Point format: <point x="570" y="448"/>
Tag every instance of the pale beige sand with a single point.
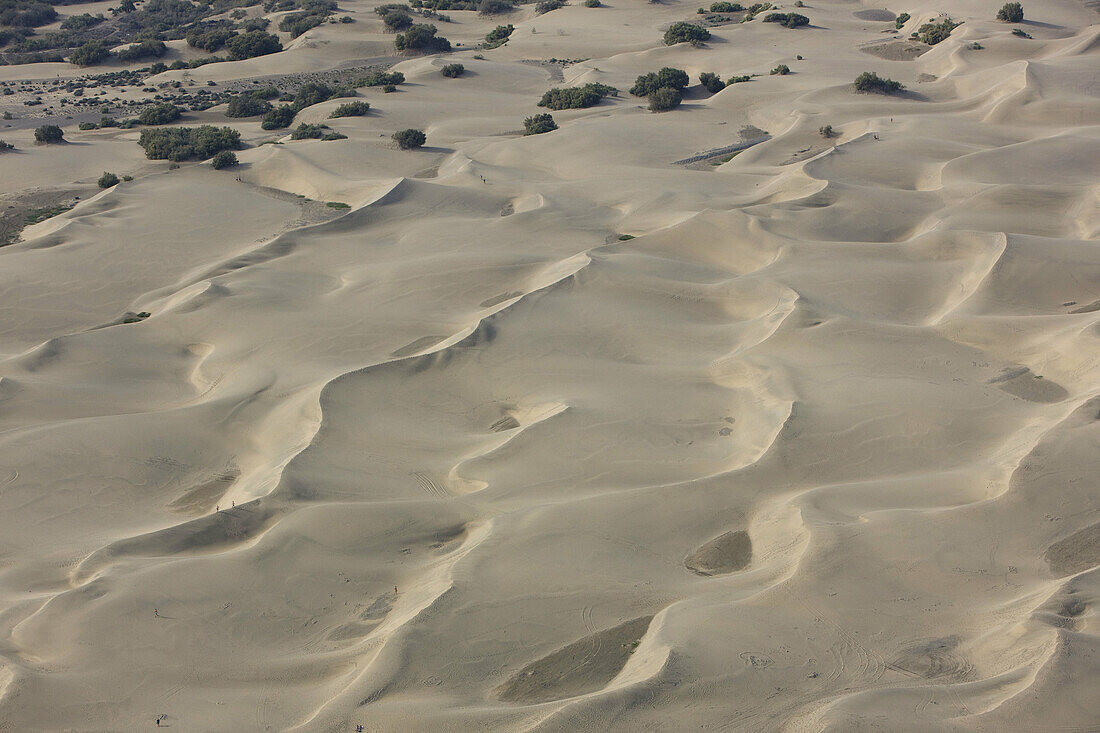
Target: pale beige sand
<point x="817" y="450"/>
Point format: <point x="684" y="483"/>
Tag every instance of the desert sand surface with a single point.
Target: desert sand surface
<point x="554" y="433"/>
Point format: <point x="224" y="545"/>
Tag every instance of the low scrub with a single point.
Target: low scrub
<point x="159" y="114"/>
<point x="711" y="82"/>
<point x="107" y="180"/>
<point x="787" y="20"/>
<point x="665" y="99"/>
<point x="933" y="33"/>
<point x="453" y="71"/>
<point x="498" y="35"/>
<point x="351" y="109"/>
<point x="186" y="143"/>
<point x="576" y="97"/>
<point x="410" y="139"/>
<point x="224" y="159"/>
<point x="539" y="124"/>
<point x="683" y="32"/>
<point x="247" y="105"/>
<point x="422" y="38"/>
<point x="870" y="82"/>
<point x="646" y="84"/>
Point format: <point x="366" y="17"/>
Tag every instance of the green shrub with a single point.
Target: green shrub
<point x="306" y="131"/>
<point x="545" y="6"/>
<point x="493" y="7"/>
<point x="724" y="7"/>
<point x="27" y="15"/>
<point x="410" y="139"/>
<point x="686" y="33"/>
<point x="827" y="131"/>
<point x="781" y="70"/>
<point x="252" y="44"/>
<point x="81" y="22"/>
<point x="871" y="82"/>
<point x="498" y="35"/>
<point x="151" y="49"/>
<point x="738" y="79"/>
<point x="646" y="84"/>
<point x="397" y="20"/>
<point x="298" y="23"/>
<point x="185" y="143"/>
<point x="933" y="33"/>
<point x="665" y="99"/>
<point x="382" y="78"/>
<point x="337" y="205"/>
<point x="787" y="20"/>
<point x="422" y="37"/>
<point x="49" y="134"/>
<point x="279" y="117"/>
<point x="247" y="105"/>
<point x="539" y="124"/>
<point x="159" y="114"/>
<point x="453" y="71"/>
<point x="901" y="20"/>
<point x="388" y="88"/>
<point x="6" y="146"/>
<point x="224" y="159"/>
<point x="1021" y="33"/>
<point x="711" y="82"/>
<point x="576" y="97"/>
<point x="90" y="54"/>
<point x="107" y="180"/>
<point x="593" y="4"/>
<point x="87" y="126"/>
<point x="351" y="109"/>
<point x="209" y="39"/>
<point x="1009" y="13"/>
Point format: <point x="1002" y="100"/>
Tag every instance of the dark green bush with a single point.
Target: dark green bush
<point x="90" y="54"/>
<point x="665" y="99"/>
<point x="828" y="132"/>
<point x="185" y="143"/>
<point x="159" y="114"/>
<point x="252" y="44"/>
<point x="224" y="159"/>
<point x="312" y="93"/>
<point x="382" y="78"/>
<point x="1011" y="13"/>
<point x="298" y="23"/>
<point x="410" y="139"/>
<point x="724" y="7"/>
<point x="209" y="39"/>
<point x="87" y="126"/>
<point x="26" y="14"/>
<point x="279" y="117"/>
<point x="453" y="71"/>
<point x="49" y="134"/>
<point x="787" y="20"/>
<point x="493" y="7"/>
<point x="711" y="82"/>
<point x="6" y="146"/>
<point x="247" y="105"/>
<point x="81" y="22"/>
<point x="901" y="20"/>
<point x="150" y="49"/>
<point x="576" y="97"/>
<point x="781" y="70"/>
<point x="305" y="131"/>
<point x="545" y="6"/>
<point x="539" y="124"/>
<point x="1021" y="33"/>
<point x="498" y="35"/>
<point x="738" y="79"/>
<point x="351" y="109"/>
<point x="397" y="20"/>
<point x="646" y="84"/>
<point x="933" y="33"/>
<point x="686" y="33"/>
<point x="422" y="37"/>
<point x="107" y="180"/>
<point x="871" y="82"/>
<point x="593" y="4"/>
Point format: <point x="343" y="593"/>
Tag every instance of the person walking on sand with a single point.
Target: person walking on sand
<point x="156" y="613"/>
<point x="395" y="590"/>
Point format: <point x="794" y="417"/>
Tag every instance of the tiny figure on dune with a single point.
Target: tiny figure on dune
<point x="395" y="590"/>
<point x="358" y="729"/>
<point x="156" y="613"/>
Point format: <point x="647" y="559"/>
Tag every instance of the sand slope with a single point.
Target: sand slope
<point x="814" y="451"/>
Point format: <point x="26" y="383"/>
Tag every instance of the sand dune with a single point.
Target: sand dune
<point x="812" y="449"/>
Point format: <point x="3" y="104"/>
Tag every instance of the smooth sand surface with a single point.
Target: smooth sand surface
<point x="816" y="450"/>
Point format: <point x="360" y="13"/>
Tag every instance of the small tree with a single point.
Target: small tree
<point x="539" y="124"/>
<point x="711" y="82"/>
<point x="870" y="82"/>
<point x="1011" y="13"/>
<point x="683" y="32"/>
<point x="422" y="37"/>
<point x="107" y="180"/>
<point x="48" y="134"/>
<point x="453" y="71"/>
<point x="665" y="99"/>
<point x="646" y="84"/>
<point x="224" y="159"/>
<point x="410" y="139"/>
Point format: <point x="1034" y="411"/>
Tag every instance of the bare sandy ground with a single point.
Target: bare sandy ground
<point x="816" y="450"/>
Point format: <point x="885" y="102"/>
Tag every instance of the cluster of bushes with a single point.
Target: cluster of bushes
<point x="755" y="10"/>
<point x="498" y="36"/>
<point x="933" y="33"/>
<point x="422" y="37"/>
<point x="6" y="146"/>
<point x="667" y="77"/>
<point x="307" y="96"/>
<point x="539" y="124"/>
<point x="381" y="79"/>
<point x="81" y="22"/>
<point x="901" y="20"/>
<point x="351" y="109"/>
<point x="711" y="82"/>
<point x="870" y="82"/>
<point x="545" y="6"/>
<point x="224" y="159"/>
<point x="410" y="139"/>
<point x="1011" y="13"/>
<point x="185" y="143"/>
<point x="107" y="180"/>
<point x="159" y="114"/>
<point x="781" y="70"/>
<point x="494" y="7"/>
<point x="147" y="49"/>
<point x="252" y="44"/>
<point x="593" y="4"/>
<point x="683" y="32"/>
<point x="90" y="54"/>
<point x="395" y="17"/>
<point x="209" y="39"/>
<point x="665" y="99"/>
<point x="312" y="14"/>
<point x="787" y="20"/>
<point x="26" y="13"/>
<point x="306" y="131"/>
<point x="724" y="7"/>
<point x="247" y="105"/>
<point x="576" y="97"/>
<point x="436" y="5"/>
<point x="453" y="71"/>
